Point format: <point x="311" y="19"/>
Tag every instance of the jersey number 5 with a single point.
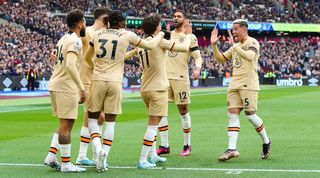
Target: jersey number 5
<point x="102" y="47"/>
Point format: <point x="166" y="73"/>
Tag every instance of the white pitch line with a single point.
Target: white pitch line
<point x="18" y="108"/>
<point x="184" y="169"/>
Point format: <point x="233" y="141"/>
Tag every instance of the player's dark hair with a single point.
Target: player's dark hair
<point x="242" y="23"/>
<point x="185" y="15"/>
<point x="115" y="17"/>
<point x="74" y="17"/>
<point x="98" y="12"/>
<point x="150" y="23"/>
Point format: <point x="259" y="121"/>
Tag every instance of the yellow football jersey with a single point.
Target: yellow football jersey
<point x="110" y="46"/>
<point x="61" y="80"/>
<point x="244" y="75"/>
<point x="154" y="67"/>
<point x="177" y="62"/>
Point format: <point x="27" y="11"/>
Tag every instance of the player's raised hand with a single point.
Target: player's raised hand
<point x="230" y="38"/>
<point x="53" y="56"/>
<point x="214" y="37"/>
<point x="83" y="96"/>
<point x="168" y="27"/>
<point x="196" y="73"/>
<point x="187" y="27"/>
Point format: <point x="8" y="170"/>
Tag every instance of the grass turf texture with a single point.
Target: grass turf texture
<point x="290" y="116"/>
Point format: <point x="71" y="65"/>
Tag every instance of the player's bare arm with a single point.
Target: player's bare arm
<point x="53" y="56"/>
<point x="216" y="53"/>
<point x="131" y="53"/>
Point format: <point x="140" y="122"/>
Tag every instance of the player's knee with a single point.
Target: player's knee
<point x="66" y="124"/>
<point x="154" y="120"/>
<point x="93" y="115"/>
<point x="183" y="109"/>
<point x="110" y="117"/>
<point x="248" y="113"/>
<point x="234" y="111"/>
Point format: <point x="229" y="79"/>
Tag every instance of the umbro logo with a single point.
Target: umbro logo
<point x="313" y="82"/>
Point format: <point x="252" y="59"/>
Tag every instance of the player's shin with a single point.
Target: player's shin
<point x="108" y="136"/>
<point x="94" y="134"/>
<point x="65" y="150"/>
<point x="153" y="151"/>
<point x="54" y="146"/>
<point x="186" y="125"/>
<point x="148" y="140"/>
<point x="164" y="132"/>
<point x="84" y="143"/>
<point x="259" y="126"/>
<point x="233" y="130"/>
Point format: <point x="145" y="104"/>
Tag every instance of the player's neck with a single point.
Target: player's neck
<point x="179" y="29"/>
<point x="96" y="26"/>
<point x="244" y="39"/>
<point x="77" y="32"/>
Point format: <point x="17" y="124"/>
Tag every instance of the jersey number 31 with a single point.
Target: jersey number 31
<point x="102" y="47"/>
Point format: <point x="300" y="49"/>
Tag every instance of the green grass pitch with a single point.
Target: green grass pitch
<point x="291" y="117"/>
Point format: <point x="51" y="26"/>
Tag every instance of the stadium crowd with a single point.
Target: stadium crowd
<point x="31" y="45"/>
<point x="22" y="48"/>
<point x="286" y="57"/>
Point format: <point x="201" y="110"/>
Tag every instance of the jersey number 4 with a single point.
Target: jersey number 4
<point x="59" y="54"/>
<point x="102" y="47"/>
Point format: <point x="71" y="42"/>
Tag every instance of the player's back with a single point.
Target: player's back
<point x="154" y="68"/>
<point x="110" y="47"/>
<point x="61" y="80"/>
<point x="177" y="62"/>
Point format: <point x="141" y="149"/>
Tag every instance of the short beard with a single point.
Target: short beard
<point x="178" y="25"/>
<point x="83" y="32"/>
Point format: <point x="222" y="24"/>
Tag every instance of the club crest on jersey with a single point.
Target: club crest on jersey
<point x="172" y="53"/>
<point x="181" y="39"/>
<point x="238" y="62"/>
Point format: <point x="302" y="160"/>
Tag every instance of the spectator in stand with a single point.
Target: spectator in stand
<point x="31" y="76"/>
